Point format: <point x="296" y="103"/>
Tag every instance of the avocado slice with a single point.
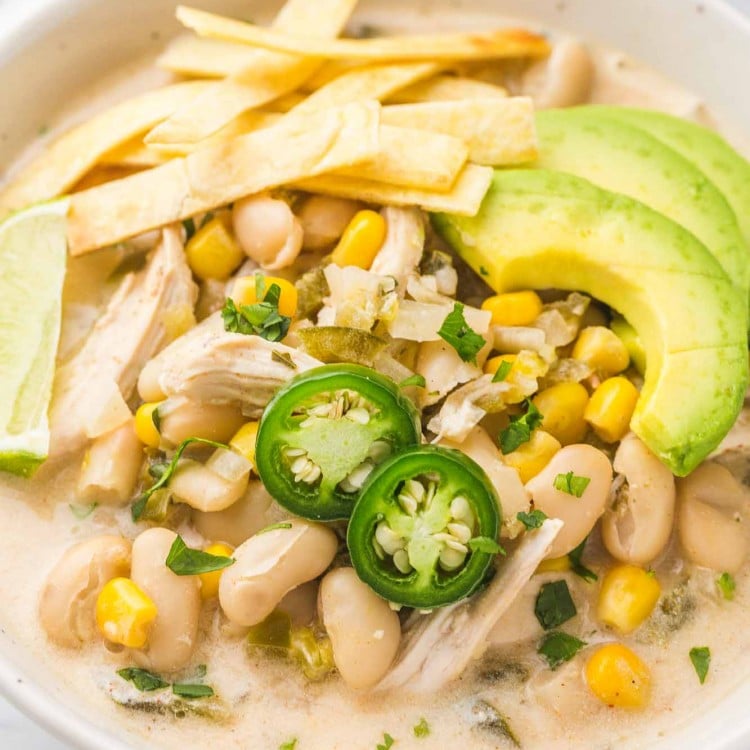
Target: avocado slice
<point x="620" y="157"/>
<point x="724" y="166"/>
<point x="539" y="229"/>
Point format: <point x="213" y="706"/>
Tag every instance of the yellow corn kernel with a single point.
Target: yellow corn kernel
<point x="531" y="457"/>
<point x="554" y="565"/>
<point x="124" y="613"/>
<point x="145" y="427"/>
<point x="513" y="308"/>
<point x="563" y="406"/>
<point x="210" y="581"/>
<point x="244" y="293"/>
<point x="618" y="677"/>
<point x="611" y="407"/>
<point x="244" y="439"/>
<point x="602" y="350"/>
<point x="491" y="365"/>
<point x="361" y="240"/>
<point x="212" y="252"/>
<point x="627" y="597"/>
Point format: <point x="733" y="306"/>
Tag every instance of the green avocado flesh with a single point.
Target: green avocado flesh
<point x="620" y="157"/>
<point x="539" y="229"/>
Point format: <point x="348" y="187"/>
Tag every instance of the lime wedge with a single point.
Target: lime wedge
<point x="33" y="250"/>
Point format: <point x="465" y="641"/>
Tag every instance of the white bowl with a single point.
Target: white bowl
<point x="52" y="49"/>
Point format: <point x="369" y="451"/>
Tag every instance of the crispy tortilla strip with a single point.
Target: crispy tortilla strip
<point x="371" y="82"/>
<point x="269" y="76"/>
<point x="61" y="165"/>
<point x="205" y="58"/>
<point x="497" y="131"/>
<point x="294" y="149"/>
<point x="447" y="88"/>
<point x="467" y="46"/>
<point x="464" y="198"/>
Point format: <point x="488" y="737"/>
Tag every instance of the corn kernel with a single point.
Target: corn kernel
<point x="627" y="597"/>
<point x="602" y="350"/>
<point x="244" y="293"/>
<point x="513" y="308"/>
<point x="361" y="240"/>
<point x="145" y="426"/>
<point x="531" y="457"/>
<point x="210" y="581"/>
<point x="124" y="613"/>
<point x="212" y="252"/>
<point x="492" y="365"/>
<point x="244" y="439"/>
<point x="611" y="407"/>
<point x="563" y="406"/>
<point x="554" y="565"/>
<point x="618" y="677"/>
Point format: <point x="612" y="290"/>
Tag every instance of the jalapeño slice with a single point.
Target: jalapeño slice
<point x="423" y="531"/>
<point x="325" y="431"/>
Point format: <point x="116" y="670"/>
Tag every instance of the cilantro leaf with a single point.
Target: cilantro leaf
<point x="726" y="585"/>
<point x="485" y="544"/>
<point x="143" y="680"/>
<point x="184" y="561"/>
<point x="189" y="226"/>
<point x="701" y="658"/>
<point x="387" y="742"/>
<point x="140" y="504"/>
<point x="422" y="729"/>
<point x="502" y="371"/>
<point x="578" y="567"/>
<point x="416" y="380"/>
<point x="274" y="526"/>
<point x="186" y="690"/>
<point x="460" y="335"/>
<point x="520" y="428"/>
<point x="559" y="647"/>
<point x="260" y="319"/>
<point x="571" y="484"/>
<point x="554" y="605"/>
<point x="283" y="358"/>
<point x="290" y="745"/>
<point x="82" y="511"/>
<point x="532" y="520"/>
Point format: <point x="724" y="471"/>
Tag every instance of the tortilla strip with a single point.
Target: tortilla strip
<point x="68" y="158"/>
<point x="464" y="198"/>
<point x="497" y="131"/>
<point x="218" y="174"/>
<point x="467" y="46"/>
<point x="447" y="88"/>
<point x="189" y="55"/>
<point x="269" y="76"/>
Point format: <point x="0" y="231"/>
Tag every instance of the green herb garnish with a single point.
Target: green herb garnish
<point x="701" y="658"/>
<point x="289" y="745"/>
<point x="578" y="567"/>
<point x="520" y="428"/>
<point x="571" y="484"/>
<point x="189" y="225"/>
<point x="184" y="561"/>
<point x="413" y="380"/>
<point x="260" y="319"/>
<point x="186" y="690"/>
<point x="726" y="585"/>
<point x="532" y="520"/>
<point x="422" y="729"/>
<point x="485" y="544"/>
<point x="274" y="526"/>
<point x="554" y="605"/>
<point x="156" y="419"/>
<point x="387" y="742"/>
<point x="502" y="371"/>
<point x="140" y="504"/>
<point x="82" y="511"/>
<point x="283" y="358"/>
<point x="558" y="647"/>
<point x="143" y="680"/>
<point x="460" y="335"/>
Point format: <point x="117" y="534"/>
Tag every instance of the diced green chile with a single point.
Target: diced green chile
<point x="410" y="530"/>
<point x="325" y="431"/>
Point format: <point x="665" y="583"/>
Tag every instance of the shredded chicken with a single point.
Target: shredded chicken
<point x="441" y="645"/>
<point x="146" y="312"/>
<point x="403" y="247"/>
<point x="212" y="365"/>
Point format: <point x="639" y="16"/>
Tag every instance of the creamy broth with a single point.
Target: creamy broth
<point x="265" y="701"/>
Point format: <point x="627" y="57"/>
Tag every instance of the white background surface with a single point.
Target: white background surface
<point x="19" y="733"/>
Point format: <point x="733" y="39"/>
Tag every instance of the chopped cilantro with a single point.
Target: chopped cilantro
<point x="571" y="484"/>
<point x="520" y="428"/>
<point x="289" y="745"/>
<point x="189" y="225"/>
<point x="184" y="561"/>
<point x="502" y="371"/>
<point x="726" y="585"/>
<point x="415" y="380"/>
<point x="459" y="334"/>
<point x="387" y="742"/>
<point x="260" y="319"/>
<point x="274" y="526"/>
<point x="485" y="544"/>
<point x="559" y="647"/>
<point x="82" y="511"/>
<point x="143" y="680"/>
<point x="554" y="605"/>
<point x="185" y="690"/>
<point x="156" y="419"/>
<point x="701" y="658"/>
<point x="483" y="271"/>
<point x="283" y="358"/>
<point x="532" y="520"/>
<point x="422" y="729"/>
<point x="578" y="567"/>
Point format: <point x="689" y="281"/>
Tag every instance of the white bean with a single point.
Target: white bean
<point x="562" y="80"/>
<point x="68" y="600"/>
<point x="637" y="525"/>
<point x="324" y="219"/>
<point x="173" y="634"/>
<point x="272" y="563"/>
<point x="267" y="230"/>
<point x="182" y="418"/>
<point x="710" y="507"/>
<point x="365" y="632"/>
<point x="578" y="513"/>
<point x="202" y="488"/>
